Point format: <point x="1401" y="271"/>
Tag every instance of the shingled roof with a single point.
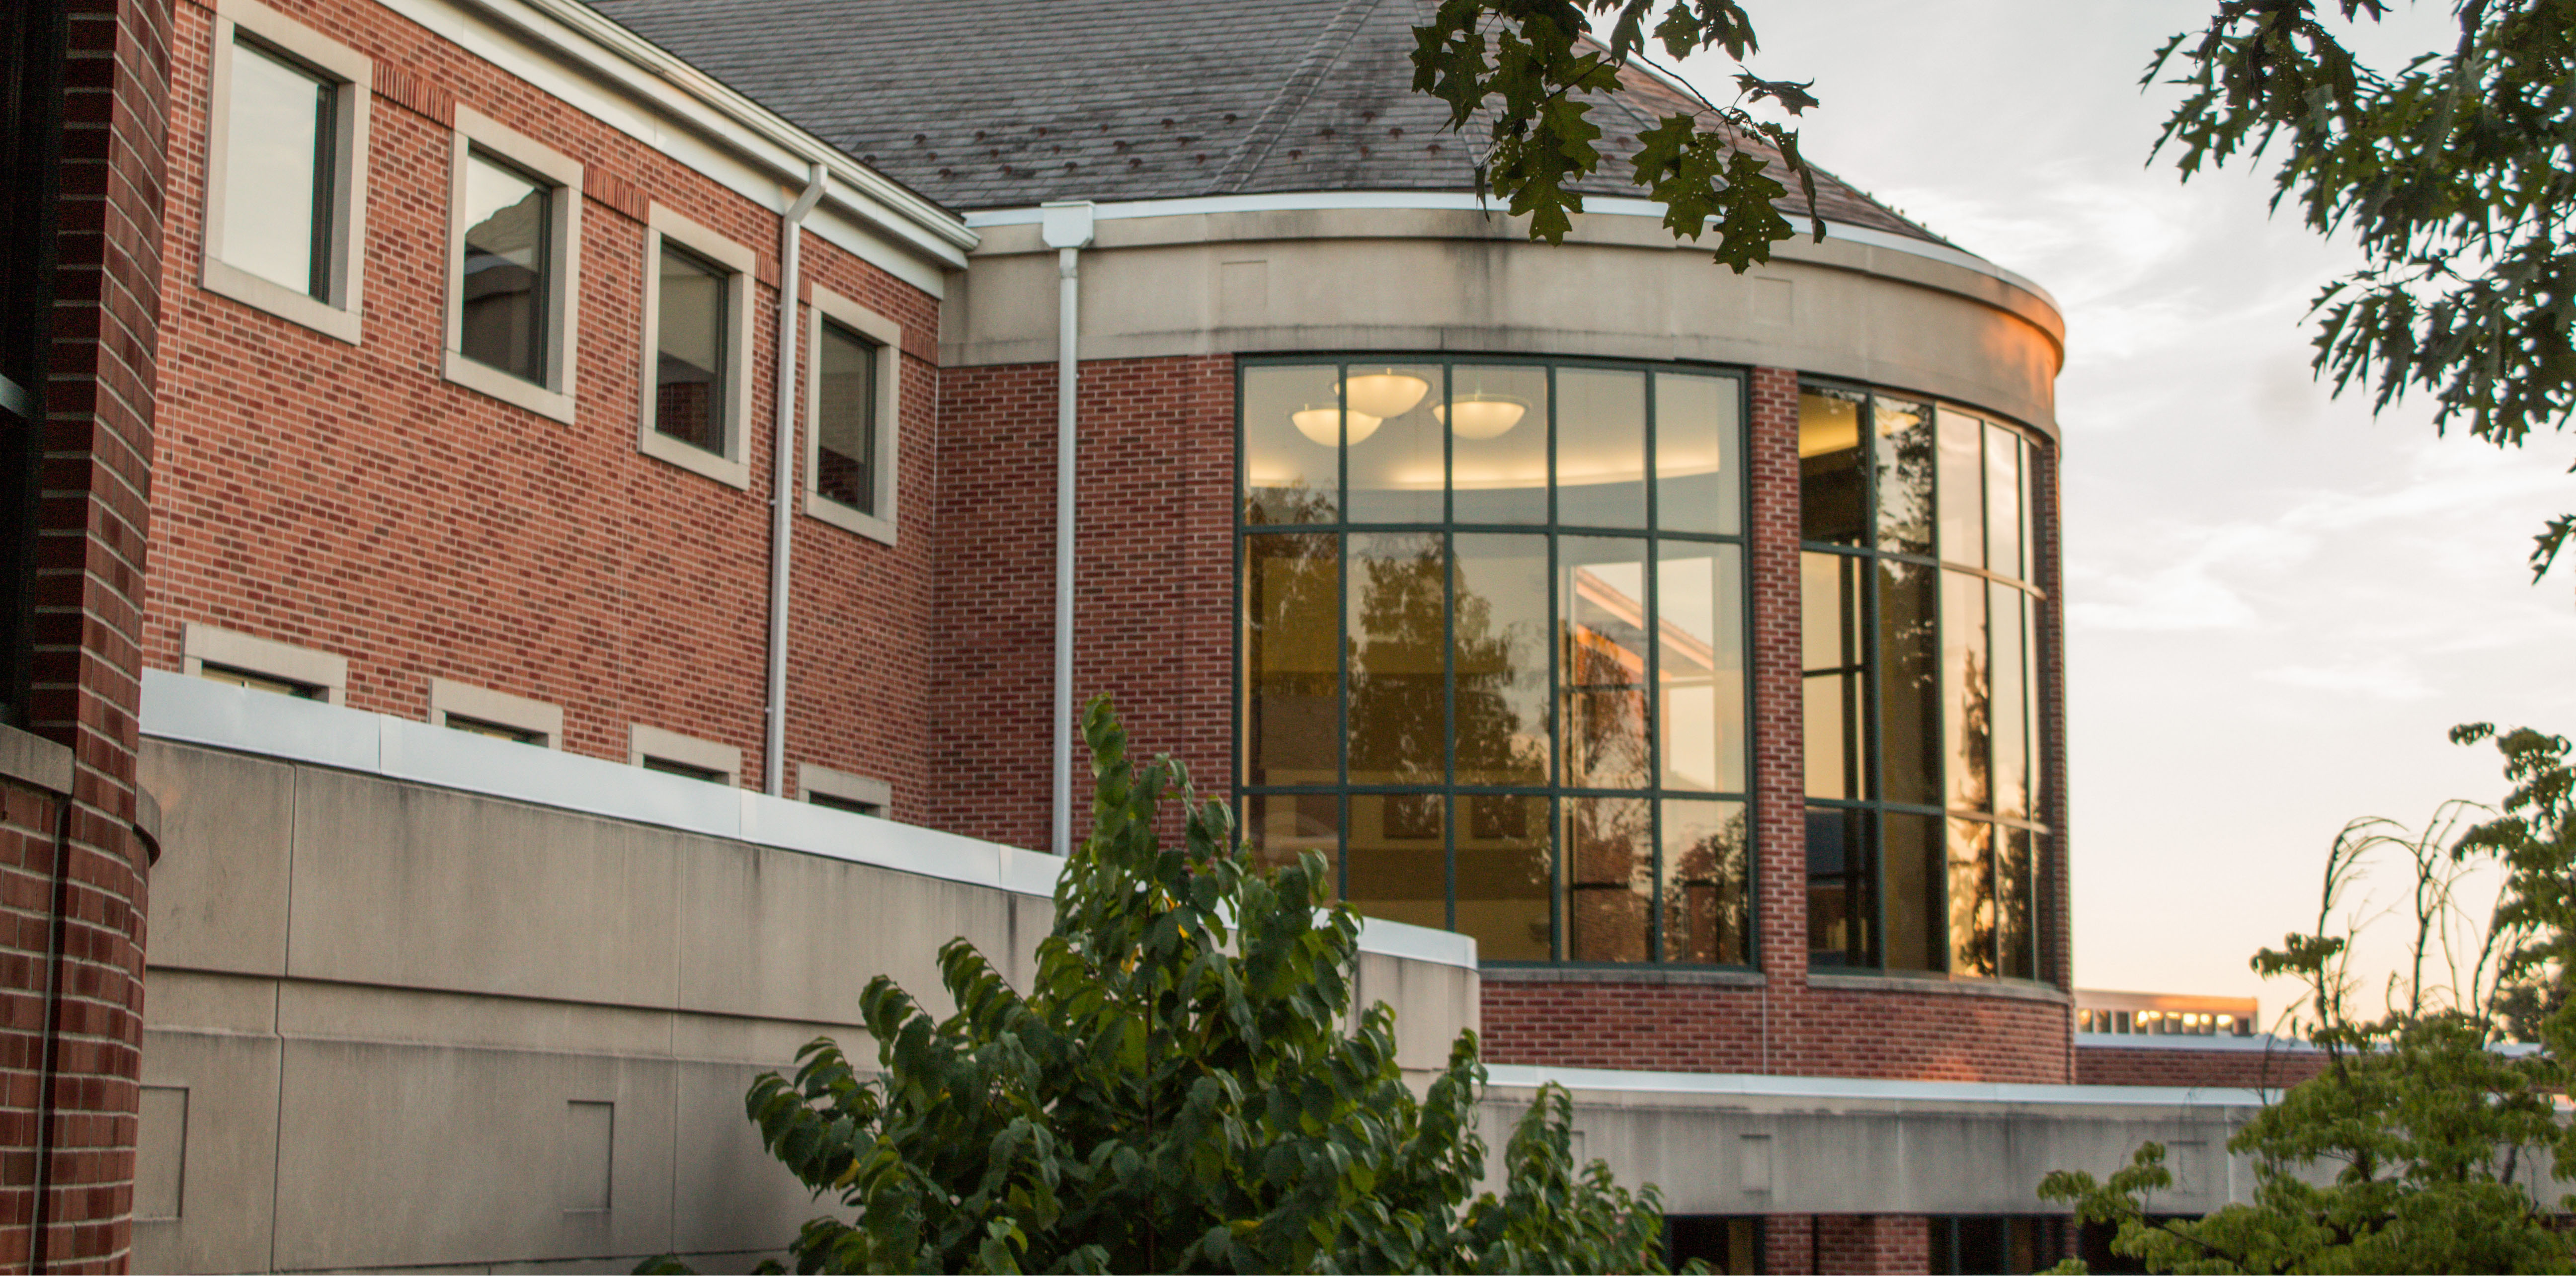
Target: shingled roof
<point x="1004" y="103"/>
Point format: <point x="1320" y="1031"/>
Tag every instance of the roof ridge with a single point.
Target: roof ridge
<point x="1330" y="41"/>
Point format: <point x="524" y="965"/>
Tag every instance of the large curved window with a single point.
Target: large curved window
<point x="1492" y="658"/>
<point x="1919" y="619"/>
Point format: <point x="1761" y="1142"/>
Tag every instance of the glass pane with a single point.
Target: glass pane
<point x="1601" y="448"/>
<point x="1699" y="648"/>
<point x="1280" y="828"/>
<point x="1708" y="903"/>
<point x="507" y="226"/>
<point x="2003" y="502"/>
<point x="2024" y="498"/>
<point x="1291" y="698"/>
<point x="1609" y="878"/>
<point x="1833" y="506"/>
<point x="2017" y="917"/>
<point x="276" y="167"/>
<point x="1399" y="722"/>
<point x="1972" y="897"/>
<point x="1963" y="509"/>
<point x="1504" y="877"/>
<point x="2010" y="704"/>
<point x="689" y="390"/>
<point x="1396" y="469"/>
<point x="2034" y="610"/>
<point x="1399" y="859"/>
<point x="1500" y="653"/>
<point x="1697" y="424"/>
<point x="1909" y="688"/>
<point x="1497" y="419"/>
<point x="1292" y="457"/>
<point x="1601" y="593"/>
<point x="1967" y="692"/>
<point x="1911" y="858"/>
<point x="1841" y="911"/>
<point x="1833" y="660"/>
<point x="1904" y="431"/>
<point x="845" y="419"/>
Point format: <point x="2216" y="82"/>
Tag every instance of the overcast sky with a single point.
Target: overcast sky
<point x="2277" y="604"/>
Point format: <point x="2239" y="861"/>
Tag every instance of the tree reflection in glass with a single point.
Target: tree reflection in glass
<point x="1399" y="858"/>
<point x="1708" y="906"/>
<point x="1904" y="432"/>
<point x="1968" y="695"/>
<point x="1398" y="658"/>
<point x="1909" y="687"/>
<point x="1609" y="878"/>
<point x="1499" y="654"/>
<point x="1972" y="898"/>
<point x="1291" y="673"/>
<point x="1504" y="876"/>
<point x="2016" y="917"/>
<point x="1602" y="591"/>
<point x="1833" y="498"/>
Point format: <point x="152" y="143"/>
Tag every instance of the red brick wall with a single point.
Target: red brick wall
<point x="72" y="870"/>
<point x="350" y="499"/>
<point x="1154" y="532"/>
<point x="2234" y="1069"/>
<point x="1873" y="1245"/>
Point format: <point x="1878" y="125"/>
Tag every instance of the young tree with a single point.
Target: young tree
<point x="2404" y="1154"/>
<point x="1176" y="1092"/>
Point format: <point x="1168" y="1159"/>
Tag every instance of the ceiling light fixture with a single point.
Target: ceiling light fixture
<point x="1324" y="426"/>
<point x="1383" y="395"/>
<point x="1481" y="417"/>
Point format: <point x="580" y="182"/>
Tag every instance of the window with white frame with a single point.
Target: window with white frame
<point x="666" y="752"/>
<point x="514" y="249"/>
<point x="493" y="714"/>
<point x="852" y="377"/>
<point x="286" y="170"/>
<point x="696" y="378"/>
<point x="255" y="662"/>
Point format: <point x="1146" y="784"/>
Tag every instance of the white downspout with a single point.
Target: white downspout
<point x="1066" y="227"/>
<point x="782" y="499"/>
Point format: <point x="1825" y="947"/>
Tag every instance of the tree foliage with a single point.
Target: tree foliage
<point x="1527" y="65"/>
<point x="2455" y="175"/>
<point x="1179" y="1090"/>
<point x="2407" y="1153"/>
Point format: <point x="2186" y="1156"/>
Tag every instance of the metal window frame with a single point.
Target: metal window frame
<point x="1550" y="533"/>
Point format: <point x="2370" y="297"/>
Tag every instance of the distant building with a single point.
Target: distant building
<point x="2164" y="1014"/>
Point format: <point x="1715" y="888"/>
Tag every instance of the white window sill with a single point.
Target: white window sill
<point x="680" y="453"/>
<point x="874" y="528"/>
<point x="277" y="300"/>
<point x="465" y="371"/>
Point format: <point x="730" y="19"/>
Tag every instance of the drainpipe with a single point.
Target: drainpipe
<point x="782" y="522"/>
<point x="1065" y="225"/>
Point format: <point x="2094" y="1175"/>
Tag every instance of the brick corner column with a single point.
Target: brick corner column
<point x="1779" y="730"/>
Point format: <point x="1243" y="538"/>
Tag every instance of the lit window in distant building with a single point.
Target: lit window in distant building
<point x="1920" y="687"/>
<point x="1493" y="652"/>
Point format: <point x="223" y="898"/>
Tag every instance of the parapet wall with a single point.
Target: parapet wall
<point x="406" y="1014"/>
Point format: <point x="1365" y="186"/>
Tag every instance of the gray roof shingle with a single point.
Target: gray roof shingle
<point x="1005" y="103"/>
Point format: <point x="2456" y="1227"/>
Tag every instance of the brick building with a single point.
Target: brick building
<point x="607" y="592"/>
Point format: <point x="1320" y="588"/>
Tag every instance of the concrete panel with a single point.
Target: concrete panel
<point x="192" y="1001"/>
<point x="783" y="935"/>
<point x="421" y="1155"/>
<point x="340" y="1012"/>
<point x="420" y="887"/>
<point x="228" y="1167"/>
<point x="730" y="1194"/>
<point x="1432" y="1002"/>
<point x="219" y="891"/>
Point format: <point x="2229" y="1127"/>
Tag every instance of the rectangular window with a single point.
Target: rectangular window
<point x="669" y="753"/>
<point x="696" y="375"/>
<point x="493" y="714"/>
<point x="255" y="662"/>
<point x="514" y="250"/>
<point x="850" y="793"/>
<point x="286" y="158"/>
<point x="851" y="375"/>
<point x="845" y="420"/>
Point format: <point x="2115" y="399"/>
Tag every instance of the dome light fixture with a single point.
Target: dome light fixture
<point x="1324" y="426"/>
<point x="1481" y="417"/>
<point x="1383" y="395"/>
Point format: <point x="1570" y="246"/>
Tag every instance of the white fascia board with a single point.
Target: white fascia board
<point x="1869" y="1089"/>
<point x="188" y="709"/>
<point x="2264" y="1043"/>
<point x="1466" y="202"/>
<point x="639" y="89"/>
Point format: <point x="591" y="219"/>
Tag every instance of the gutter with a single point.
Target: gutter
<point x="782" y="482"/>
<point x="1066" y="228"/>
